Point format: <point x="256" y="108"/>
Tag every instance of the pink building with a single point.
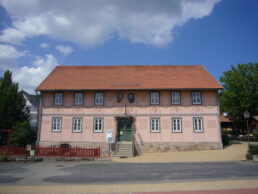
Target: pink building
<point x="147" y="108"/>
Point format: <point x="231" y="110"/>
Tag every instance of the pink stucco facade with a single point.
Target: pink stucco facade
<point x="141" y="111"/>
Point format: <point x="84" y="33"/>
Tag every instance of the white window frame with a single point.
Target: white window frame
<point x="56" y="124"/>
<point x="78" y="98"/>
<point x="175" y="98"/>
<point x="77" y="124"/>
<point x="154" y="98"/>
<point x="176" y="125"/>
<point x="99" y="98"/>
<point x="196" y="98"/>
<point x="198" y="124"/>
<point x="154" y="125"/>
<point x="98" y="125"/>
<point x="58" y="98"/>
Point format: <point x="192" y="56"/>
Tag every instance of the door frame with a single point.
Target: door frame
<point x="132" y="126"/>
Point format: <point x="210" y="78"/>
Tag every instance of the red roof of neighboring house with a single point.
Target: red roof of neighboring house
<point x="129" y="77"/>
<point x="224" y="119"/>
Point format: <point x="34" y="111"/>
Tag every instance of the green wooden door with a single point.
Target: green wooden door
<point x="124" y="130"/>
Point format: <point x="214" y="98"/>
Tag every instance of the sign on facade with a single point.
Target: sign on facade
<point x="109" y="136"/>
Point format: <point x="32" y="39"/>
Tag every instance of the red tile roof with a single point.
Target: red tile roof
<point x="129" y="77"/>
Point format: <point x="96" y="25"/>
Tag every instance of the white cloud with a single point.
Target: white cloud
<point x="44" y="45"/>
<point x="8" y="56"/>
<point x="30" y="77"/>
<point x="91" y="23"/>
<point x="64" y="49"/>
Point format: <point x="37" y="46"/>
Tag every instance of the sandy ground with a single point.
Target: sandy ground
<point x="129" y="188"/>
<point x="234" y="152"/>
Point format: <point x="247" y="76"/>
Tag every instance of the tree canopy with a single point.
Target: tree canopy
<point x="240" y="91"/>
<point x="12" y="102"/>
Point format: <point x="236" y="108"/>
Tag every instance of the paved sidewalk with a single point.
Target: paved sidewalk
<point x="234" y="152"/>
<point x="130" y="188"/>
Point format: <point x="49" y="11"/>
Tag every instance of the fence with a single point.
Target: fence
<point x="53" y="152"/>
<point x="13" y="151"/>
<point x="68" y="152"/>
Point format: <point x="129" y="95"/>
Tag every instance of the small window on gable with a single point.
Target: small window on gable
<point x="198" y="125"/>
<point x="154" y="125"/>
<point x="176" y="125"/>
<point x="58" y="99"/>
<point x="99" y="98"/>
<point x="56" y="124"/>
<point x="175" y="98"/>
<point x="98" y="125"/>
<point x="196" y="98"/>
<point x="78" y="98"/>
<point x="154" y="97"/>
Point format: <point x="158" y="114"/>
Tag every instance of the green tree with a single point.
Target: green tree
<point x="12" y="102"/>
<point x="240" y="91"/>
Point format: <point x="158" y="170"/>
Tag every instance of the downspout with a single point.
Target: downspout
<point x="39" y="119"/>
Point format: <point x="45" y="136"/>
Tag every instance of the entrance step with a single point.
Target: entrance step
<point x="124" y="149"/>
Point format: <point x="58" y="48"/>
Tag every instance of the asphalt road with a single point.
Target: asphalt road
<point x="83" y="172"/>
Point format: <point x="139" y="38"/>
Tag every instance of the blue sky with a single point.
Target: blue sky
<point x="34" y="38"/>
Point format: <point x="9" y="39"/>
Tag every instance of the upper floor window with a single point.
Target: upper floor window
<point x="198" y="124"/>
<point x="98" y="125"/>
<point x="56" y="124"/>
<point x="154" y="97"/>
<point x="77" y="124"/>
<point x="78" y="98"/>
<point x="196" y="98"/>
<point x="155" y="125"/>
<point x="130" y="98"/>
<point x="176" y="125"/>
<point x="58" y="99"/>
<point x="120" y="97"/>
<point x="99" y="98"/>
<point x="175" y="98"/>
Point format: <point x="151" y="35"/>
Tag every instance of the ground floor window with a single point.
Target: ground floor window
<point x="77" y="124"/>
<point x="98" y="125"/>
<point x="154" y="125"/>
<point x="176" y="125"/>
<point x="198" y="124"/>
<point x="56" y="124"/>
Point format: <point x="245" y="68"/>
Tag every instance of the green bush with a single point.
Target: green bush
<point x="225" y="138"/>
<point x="4" y="157"/>
<point x="256" y="136"/>
<point x="253" y="149"/>
<point x="249" y="156"/>
<point x="23" y="134"/>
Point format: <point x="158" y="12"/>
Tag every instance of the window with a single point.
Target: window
<point x="77" y="124"/>
<point x="155" y="126"/>
<point x="58" y="99"/>
<point x="78" y="98"/>
<point x="56" y="124"/>
<point x="98" y="125"/>
<point x="175" y="97"/>
<point x="120" y="97"/>
<point x="196" y="98"/>
<point x="154" y="97"/>
<point x="99" y="98"/>
<point x="130" y="98"/>
<point x="198" y="125"/>
<point x="176" y="125"/>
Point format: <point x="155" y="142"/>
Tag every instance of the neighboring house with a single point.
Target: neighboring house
<point x="32" y="106"/>
<point x="150" y="108"/>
